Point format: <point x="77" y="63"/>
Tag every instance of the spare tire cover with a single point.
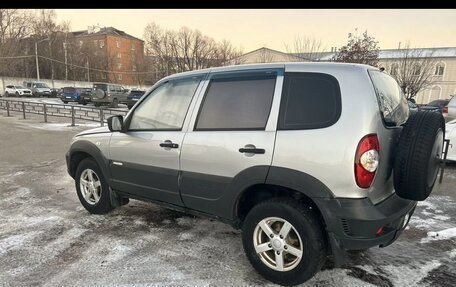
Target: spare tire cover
<point x="98" y="93"/>
<point x="417" y="160"/>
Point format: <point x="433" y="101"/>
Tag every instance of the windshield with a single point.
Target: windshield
<point x="102" y="87"/>
<point x="69" y="90"/>
<point x="41" y="85"/>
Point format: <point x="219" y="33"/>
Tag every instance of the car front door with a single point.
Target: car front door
<point x="230" y="141"/>
<point x="145" y="158"/>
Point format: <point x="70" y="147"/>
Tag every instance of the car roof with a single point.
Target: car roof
<point x="278" y="65"/>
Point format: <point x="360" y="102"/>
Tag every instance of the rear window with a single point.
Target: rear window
<point x="69" y="90"/>
<point x="102" y="87"/>
<point x="309" y="101"/>
<point x="392" y="102"/>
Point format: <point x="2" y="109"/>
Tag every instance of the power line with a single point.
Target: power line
<point x="83" y="67"/>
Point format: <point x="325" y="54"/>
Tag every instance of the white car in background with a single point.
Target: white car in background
<point x="449" y="112"/>
<point x="450" y="134"/>
<point x="18" y="91"/>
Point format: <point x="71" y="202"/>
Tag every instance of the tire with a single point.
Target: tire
<point x="98" y="201"/>
<point x="306" y="233"/>
<point x="17" y="95"/>
<point x="129" y="107"/>
<point x="97" y="104"/>
<point x="114" y="104"/>
<point x="65" y="102"/>
<point x="418" y="155"/>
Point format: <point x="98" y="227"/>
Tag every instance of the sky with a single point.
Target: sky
<point x="251" y="29"/>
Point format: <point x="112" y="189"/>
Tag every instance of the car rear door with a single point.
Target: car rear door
<point x="145" y="158"/>
<point x="230" y="141"/>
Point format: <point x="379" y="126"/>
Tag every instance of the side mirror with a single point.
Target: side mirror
<point x="115" y="123"/>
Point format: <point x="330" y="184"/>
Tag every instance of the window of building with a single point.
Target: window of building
<point x="103" y="76"/>
<point x="102" y="43"/>
<point x="133" y="46"/>
<point x="439" y="69"/>
<point x="80" y="43"/>
<point x="119" y="55"/>
<point x="309" y="101"/>
<point x="237" y="102"/>
<point x="95" y="43"/>
<point x="119" y="77"/>
<point x="394" y="69"/>
<point x="134" y="68"/>
<point x="119" y="66"/>
<point x="118" y="44"/>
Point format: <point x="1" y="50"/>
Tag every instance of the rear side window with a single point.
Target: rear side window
<point x="392" y="102"/>
<point x="309" y="101"/>
<point x="102" y="87"/>
<point x="237" y="102"/>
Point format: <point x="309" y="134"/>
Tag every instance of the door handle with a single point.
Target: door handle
<point x="169" y="144"/>
<point x="252" y="150"/>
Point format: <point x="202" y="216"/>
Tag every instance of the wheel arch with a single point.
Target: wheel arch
<point x="281" y="182"/>
<point x="81" y="150"/>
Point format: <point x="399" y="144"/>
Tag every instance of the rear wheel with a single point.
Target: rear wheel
<point x="418" y="156"/>
<point x="92" y="189"/>
<point x="284" y="241"/>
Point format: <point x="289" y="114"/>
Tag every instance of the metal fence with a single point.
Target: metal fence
<point x="60" y="110"/>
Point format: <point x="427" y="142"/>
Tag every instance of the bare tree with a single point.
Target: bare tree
<point x="413" y="70"/>
<point x="170" y="52"/>
<point x="359" y="49"/>
<point x="305" y="48"/>
<point x="14" y="27"/>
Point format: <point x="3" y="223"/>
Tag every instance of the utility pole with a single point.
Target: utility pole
<point x="52" y="62"/>
<point x="66" y="60"/>
<point x="88" y="69"/>
<point x="36" y="59"/>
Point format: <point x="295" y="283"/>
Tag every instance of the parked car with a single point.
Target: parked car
<point x="74" y="94"/>
<point x="133" y="97"/>
<point x="108" y="94"/>
<point x="309" y="159"/>
<point x="56" y="93"/>
<point x="18" y="91"/>
<point x="39" y="89"/>
<point x="450" y="134"/>
<point x="435" y="106"/>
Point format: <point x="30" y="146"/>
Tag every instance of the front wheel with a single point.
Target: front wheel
<point x="284" y="241"/>
<point x="92" y="189"/>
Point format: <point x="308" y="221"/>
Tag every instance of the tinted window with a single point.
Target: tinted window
<point x="392" y="102"/>
<point x="237" y="102"/>
<point x="69" y="90"/>
<point x="165" y="108"/>
<point x="102" y="87"/>
<point x="9" y="87"/>
<point x="309" y="101"/>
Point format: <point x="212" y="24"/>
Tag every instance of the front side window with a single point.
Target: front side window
<point x="237" y="102"/>
<point x="392" y="102"/>
<point x="166" y="106"/>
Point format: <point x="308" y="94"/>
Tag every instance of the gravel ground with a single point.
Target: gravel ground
<point x="48" y="239"/>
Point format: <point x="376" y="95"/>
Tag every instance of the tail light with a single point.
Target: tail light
<point x="366" y="160"/>
<point x="445" y="110"/>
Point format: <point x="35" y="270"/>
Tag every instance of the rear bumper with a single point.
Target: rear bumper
<point x="354" y="224"/>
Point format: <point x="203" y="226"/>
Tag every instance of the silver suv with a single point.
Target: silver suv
<point x="309" y="159"/>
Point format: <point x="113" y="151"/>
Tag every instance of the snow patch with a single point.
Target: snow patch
<point x="440" y="235"/>
<point x="409" y="275"/>
<point x="15" y="241"/>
